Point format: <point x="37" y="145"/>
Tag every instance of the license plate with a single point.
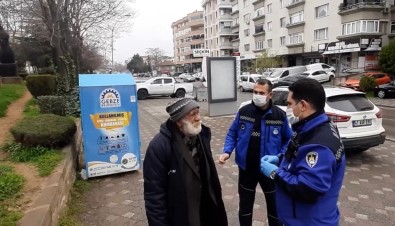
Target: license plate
<point x="363" y="122"/>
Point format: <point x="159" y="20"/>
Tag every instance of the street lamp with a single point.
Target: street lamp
<point x="112" y="40"/>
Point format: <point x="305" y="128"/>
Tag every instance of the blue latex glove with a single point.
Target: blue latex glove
<point x="267" y="167"/>
<point x="273" y="159"/>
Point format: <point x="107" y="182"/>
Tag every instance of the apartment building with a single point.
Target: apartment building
<point x="188" y="35"/>
<point x="218" y="27"/>
<point x="345" y="33"/>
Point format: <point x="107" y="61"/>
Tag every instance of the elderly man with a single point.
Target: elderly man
<point x="181" y="185"/>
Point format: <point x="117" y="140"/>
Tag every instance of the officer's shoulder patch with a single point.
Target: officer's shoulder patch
<point x="312" y="158"/>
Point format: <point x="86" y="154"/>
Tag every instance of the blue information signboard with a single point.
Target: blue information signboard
<point x="110" y="127"/>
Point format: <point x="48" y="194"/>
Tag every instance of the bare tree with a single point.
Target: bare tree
<point x="155" y="55"/>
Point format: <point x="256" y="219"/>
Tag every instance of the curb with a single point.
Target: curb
<point x="390" y="139"/>
<point x="383" y="105"/>
<point x="51" y="203"/>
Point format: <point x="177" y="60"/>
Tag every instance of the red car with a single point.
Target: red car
<point x="380" y="77"/>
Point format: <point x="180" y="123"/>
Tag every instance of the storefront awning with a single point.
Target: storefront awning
<point x="341" y="51"/>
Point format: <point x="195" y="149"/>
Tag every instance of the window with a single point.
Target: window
<point x="236" y="21"/>
<point x="246" y="32"/>
<point x="393" y="27"/>
<point x="269" y="8"/>
<point x="259" y="45"/>
<point x="296" y="38"/>
<point x="247" y="19"/>
<point x="168" y="80"/>
<point x="245" y="3"/>
<point x="296" y="17"/>
<point x="283" y="3"/>
<point x="368" y="26"/>
<point x="259" y="12"/>
<point x="282" y="41"/>
<point x="247" y="47"/>
<point x="269" y="26"/>
<point x="321" y="34"/>
<point x="322" y="11"/>
<point x="283" y="22"/>
<point x="270" y="43"/>
<point x="158" y="81"/>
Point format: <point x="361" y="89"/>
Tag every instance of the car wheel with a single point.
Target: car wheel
<point x="242" y="89"/>
<point x="331" y="78"/>
<point x="180" y="93"/>
<point x="142" y="94"/>
<point x="381" y="94"/>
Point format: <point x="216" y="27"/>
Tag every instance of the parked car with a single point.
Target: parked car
<point x="189" y="78"/>
<point x="319" y="75"/>
<point x="284" y="72"/>
<point x="386" y="90"/>
<point x="287" y="81"/>
<point x="183" y="75"/>
<point x="380" y="77"/>
<point x="247" y="82"/>
<point x="164" y="86"/>
<point x="359" y="121"/>
<point x="320" y="67"/>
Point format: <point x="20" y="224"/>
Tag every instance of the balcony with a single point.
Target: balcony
<point x="361" y="35"/>
<point x="345" y="9"/>
<point x="259" y="50"/>
<point x="226" y="31"/>
<point x="196" y="23"/>
<point x="259" y="31"/>
<point x="225" y="17"/>
<point x="235" y="9"/>
<point x="297" y="24"/>
<point x="254" y="2"/>
<point x="222" y="4"/>
<point x="226" y="45"/>
<point x="290" y="45"/>
<point x="258" y="16"/>
<point x="294" y="3"/>
<point x="235" y="25"/>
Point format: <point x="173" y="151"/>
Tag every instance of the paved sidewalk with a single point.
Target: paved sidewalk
<point x="367" y="196"/>
<point x="383" y="102"/>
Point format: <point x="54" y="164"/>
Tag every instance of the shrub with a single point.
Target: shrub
<point x="51" y="105"/>
<point x="46" y="130"/>
<point x="367" y="83"/>
<point x="46" y="70"/>
<point x="40" y="85"/>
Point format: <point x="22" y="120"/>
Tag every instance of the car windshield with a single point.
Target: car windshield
<point x="350" y="103"/>
<point x="276" y="73"/>
<point x="279" y="98"/>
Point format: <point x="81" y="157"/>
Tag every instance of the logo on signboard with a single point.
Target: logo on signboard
<point x="110" y="98"/>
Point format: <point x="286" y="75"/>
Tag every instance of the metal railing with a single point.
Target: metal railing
<point x="361" y="5"/>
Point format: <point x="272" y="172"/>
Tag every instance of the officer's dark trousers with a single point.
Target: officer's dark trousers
<point x="247" y="186"/>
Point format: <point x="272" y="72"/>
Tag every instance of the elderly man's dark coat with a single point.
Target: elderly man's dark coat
<point x="166" y="177"/>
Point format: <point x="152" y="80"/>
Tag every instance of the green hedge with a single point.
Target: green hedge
<point x="46" y="130"/>
<point x="51" y="105"/>
<point x="367" y="83"/>
<point x="41" y="85"/>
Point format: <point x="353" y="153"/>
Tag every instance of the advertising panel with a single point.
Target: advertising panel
<point x="109" y="124"/>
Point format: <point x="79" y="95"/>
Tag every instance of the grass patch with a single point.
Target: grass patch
<point x="75" y="205"/>
<point x="8" y="94"/>
<point x="31" y="108"/>
<point x="369" y="94"/>
<point x="44" y="159"/>
<point x="10" y="186"/>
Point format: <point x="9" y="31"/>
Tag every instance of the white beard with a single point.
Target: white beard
<point x="189" y="129"/>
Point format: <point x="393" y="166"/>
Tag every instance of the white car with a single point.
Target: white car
<point x="320" y="66"/>
<point x="320" y="75"/>
<point x="247" y="82"/>
<point x="359" y="121"/>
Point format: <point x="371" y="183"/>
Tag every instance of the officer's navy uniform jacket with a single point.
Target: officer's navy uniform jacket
<point x="310" y="174"/>
<point x="275" y="133"/>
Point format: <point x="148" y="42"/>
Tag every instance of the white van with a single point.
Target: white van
<point x="320" y="67"/>
<point x="284" y="72"/>
<point x="247" y="82"/>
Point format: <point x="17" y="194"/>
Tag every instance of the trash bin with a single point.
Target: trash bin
<point x="111" y="139"/>
<point x="200" y="92"/>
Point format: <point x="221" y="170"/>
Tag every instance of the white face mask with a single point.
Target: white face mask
<point x="291" y="117"/>
<point x="259" y="100"/>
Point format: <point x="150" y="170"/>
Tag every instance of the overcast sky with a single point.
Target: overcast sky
<point x="152" y="27"/>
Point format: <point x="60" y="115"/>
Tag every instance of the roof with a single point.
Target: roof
<point x="329" y="90"/>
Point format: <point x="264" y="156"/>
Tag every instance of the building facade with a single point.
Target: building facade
<point x="343" y="33"/>
<point x="188" y="35"/>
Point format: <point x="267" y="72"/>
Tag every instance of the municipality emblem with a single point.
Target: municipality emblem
<point x="312" y="159"/>
<point x="110" y="98"/>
